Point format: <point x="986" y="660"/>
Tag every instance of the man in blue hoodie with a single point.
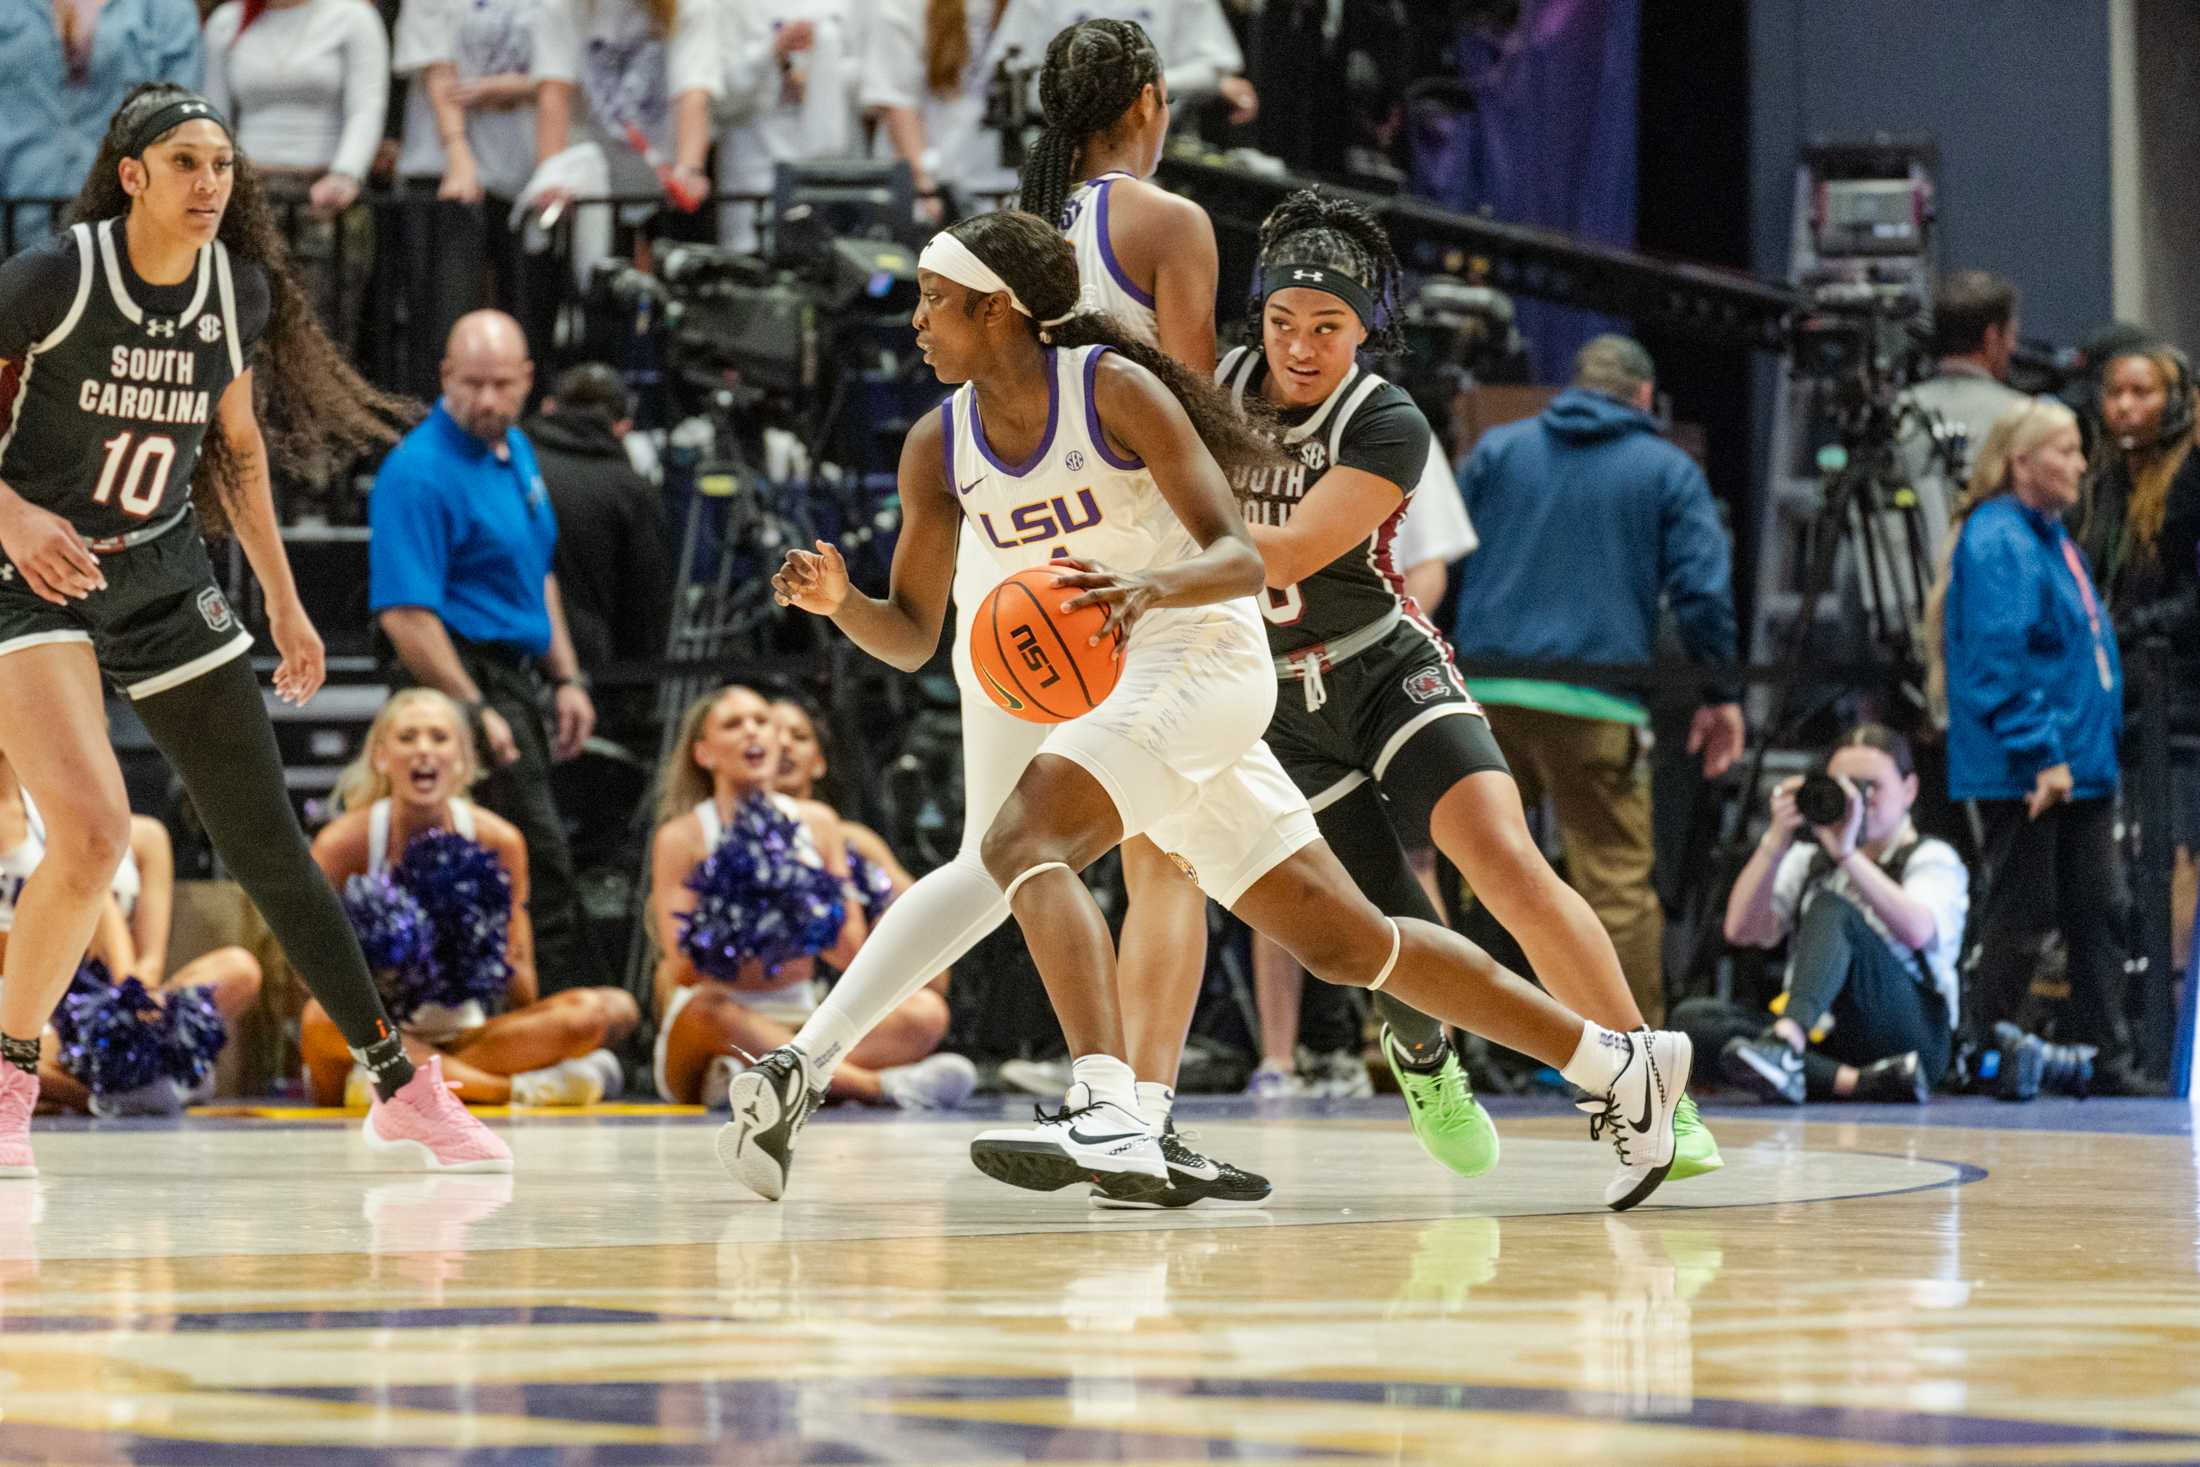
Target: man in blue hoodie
<point x="1588" y="518"/>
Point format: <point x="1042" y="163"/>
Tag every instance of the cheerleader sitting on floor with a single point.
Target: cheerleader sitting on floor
<point x="749" y="891"/>
<point x="437" y="888"/>
<point x="129" y="1037"/>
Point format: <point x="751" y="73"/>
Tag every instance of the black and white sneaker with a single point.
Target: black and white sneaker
<point x="1195" y="1178"/>
<point x="1085" y="1141"/>
<point x="1767" y="1067"/>
<point x="1636" y="1114"/>
<point x="770" y="1100"/>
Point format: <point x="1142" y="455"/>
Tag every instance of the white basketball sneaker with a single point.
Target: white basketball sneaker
<point x="1087" y="1140"/>
<point x="1636" y="1114"/>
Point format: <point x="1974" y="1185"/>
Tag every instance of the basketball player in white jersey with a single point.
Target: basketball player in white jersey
<point x="1073" y="444"/>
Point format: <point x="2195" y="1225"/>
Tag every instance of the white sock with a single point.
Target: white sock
<point x="1598" y="1058"/>
<point x="1107" y="1079"/>
<point x="929" y="926"/>
<point x="1155" y="1100"/>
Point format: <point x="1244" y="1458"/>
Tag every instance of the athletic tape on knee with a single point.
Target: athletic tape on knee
<point x="1039" y="870"/>
<point x="1397" y="942"/>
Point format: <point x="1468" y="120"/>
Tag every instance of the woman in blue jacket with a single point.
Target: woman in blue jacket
<point x="2035" y="704"/>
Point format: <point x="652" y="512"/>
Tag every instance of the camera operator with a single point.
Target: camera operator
<point x="1974" y="336"/>
<point x="2139" y="523"/>
<point x="1876" y="916"/>
<point x="2027" y="662"/>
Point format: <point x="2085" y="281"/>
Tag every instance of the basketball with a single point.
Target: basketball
<point x="1032" y="658"/>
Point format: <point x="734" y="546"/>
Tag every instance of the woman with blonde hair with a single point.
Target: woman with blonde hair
<point x="748" y="891"/>
<point x="2027" y="661"/>
<point x="925" y="78"/>
<point x="409" y="782"/>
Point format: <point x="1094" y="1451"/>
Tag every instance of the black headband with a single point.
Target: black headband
<point x="163" y="119"/>
<point x="1313" y="275"/>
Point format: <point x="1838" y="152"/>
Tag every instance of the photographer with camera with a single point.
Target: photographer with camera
<point x="1874" y="913"/>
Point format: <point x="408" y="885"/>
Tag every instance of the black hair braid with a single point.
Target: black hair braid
<point x="1315" y="228"/>
<point x="1040" y="266"/>
<point x="1093" y="74"/>
<point x="315" y="412"/>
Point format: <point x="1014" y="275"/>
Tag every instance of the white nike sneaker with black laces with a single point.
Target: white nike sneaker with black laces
<point x="1636" y="1114"/>
<point x="1087" y="1140"/>
<point x="1194" y="1178"/>
<point x="770" y="1100"/>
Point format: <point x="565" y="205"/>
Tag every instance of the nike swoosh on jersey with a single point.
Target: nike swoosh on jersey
<point x="1008" y="700"/>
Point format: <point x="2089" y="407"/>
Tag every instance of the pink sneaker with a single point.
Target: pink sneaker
<point x="18" y="1096"/>
<point x="427" y="1116"/>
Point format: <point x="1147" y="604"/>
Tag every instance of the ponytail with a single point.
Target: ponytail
<point x="1094" y="74"/>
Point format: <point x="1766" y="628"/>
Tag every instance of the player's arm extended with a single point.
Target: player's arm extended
<point x="1339" y="512"/>
<point x="250" y="500"/>
<point x="1138" y="413"/>
<point x="903" y="629"/>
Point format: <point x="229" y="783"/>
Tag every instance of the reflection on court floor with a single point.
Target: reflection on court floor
<point x="1924" y="1287"/>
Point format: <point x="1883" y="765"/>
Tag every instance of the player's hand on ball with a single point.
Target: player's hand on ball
<point x="1127" y="595"/>
<point x="46" y="550"/>
<point x="305" y="661"/>
<point x="816" y="582"/>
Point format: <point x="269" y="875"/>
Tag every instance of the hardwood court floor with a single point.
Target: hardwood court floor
<point x="1967" y="1284"/>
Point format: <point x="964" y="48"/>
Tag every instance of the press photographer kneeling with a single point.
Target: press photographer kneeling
<point x="1875" y="914"/>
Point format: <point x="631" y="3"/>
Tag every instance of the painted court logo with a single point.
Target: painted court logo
<point x="215" y="610"/>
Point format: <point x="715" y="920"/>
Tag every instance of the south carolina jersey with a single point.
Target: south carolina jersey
<point x="110" y="383"/>
<point x="1103" y="284"/>
<point x="1366" y="423"/>
<point x="1073" y="496"/>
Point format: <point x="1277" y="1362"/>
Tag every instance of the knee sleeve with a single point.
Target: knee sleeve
<point x="215" y="732"/>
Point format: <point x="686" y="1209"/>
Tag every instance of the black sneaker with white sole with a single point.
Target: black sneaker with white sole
<point x="770" y="1100"/>
<point x="1195" y="1178"/>
<point x="1767" y="1067"/>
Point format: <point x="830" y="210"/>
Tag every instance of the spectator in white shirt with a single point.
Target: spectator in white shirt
<point x="1200" y="57"/>
<point x="469" y="148"/>
<point x="306" y="85"/>
<point x="925" y="76"/>
<point x="790" y="96"/>
<point x="625" y="75"/>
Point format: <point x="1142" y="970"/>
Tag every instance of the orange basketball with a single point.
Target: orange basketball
<point x="1032" y="658"/>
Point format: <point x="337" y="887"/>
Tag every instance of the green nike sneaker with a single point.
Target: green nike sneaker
<point x="1694" y="1152"/>
<point x="1447" y="1120"/>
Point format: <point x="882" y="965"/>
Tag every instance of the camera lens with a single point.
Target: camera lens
<point x="1821" y="800"/>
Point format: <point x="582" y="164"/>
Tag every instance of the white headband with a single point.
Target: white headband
<point x="949" y="256"/>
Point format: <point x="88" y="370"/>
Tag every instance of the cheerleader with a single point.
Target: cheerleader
<point x="130" y="942"/>
<point x="410" y="780"/>
<point x="749" y="890"/>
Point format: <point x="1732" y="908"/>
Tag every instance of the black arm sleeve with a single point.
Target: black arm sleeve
<point x="1388" y="438"/>
<point x="37" y="288"/>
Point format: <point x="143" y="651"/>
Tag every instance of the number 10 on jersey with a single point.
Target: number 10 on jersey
<point x="146" y="480"/>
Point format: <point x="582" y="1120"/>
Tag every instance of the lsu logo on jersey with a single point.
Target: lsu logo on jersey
<point x="1052" y="518"/>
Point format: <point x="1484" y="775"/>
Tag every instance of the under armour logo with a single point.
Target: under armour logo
<point x="7" y="575"/>
<point x="194" y="108"/>
<point x="1306" y="274"/>
<point x="160" y="328"/>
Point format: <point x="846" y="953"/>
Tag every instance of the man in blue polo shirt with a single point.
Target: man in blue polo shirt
<point x="460" y="582"/>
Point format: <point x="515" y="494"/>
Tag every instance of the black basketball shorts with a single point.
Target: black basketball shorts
<point x="161" y="622"/>
<point x="1397" y="714"/>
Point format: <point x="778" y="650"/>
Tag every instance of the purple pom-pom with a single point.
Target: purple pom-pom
<point x="874" y="887"/>
<point x="756" y="899"/>
<point x="467" y="895"/>
<point x="398" y="940"/>
<point x="195" y="1034"/>
<point x="114" y="1037"/>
